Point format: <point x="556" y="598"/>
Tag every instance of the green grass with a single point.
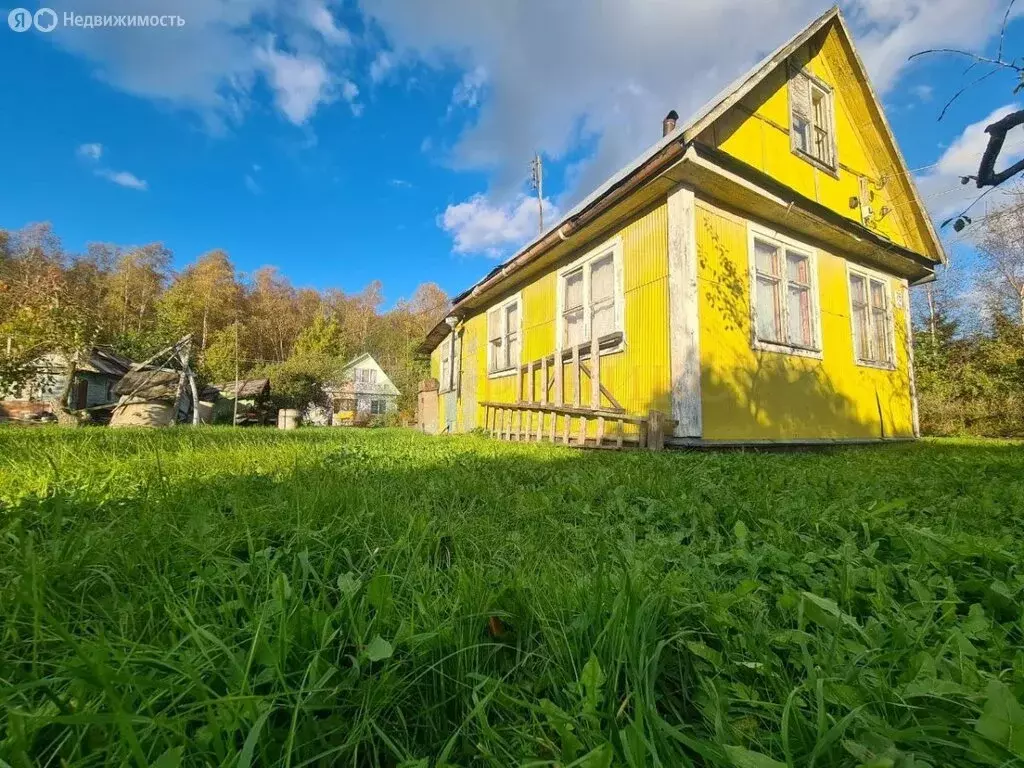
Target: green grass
<point x="343" y="597"/>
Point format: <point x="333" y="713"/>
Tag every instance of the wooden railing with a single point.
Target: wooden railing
<point x="533" y="417"/>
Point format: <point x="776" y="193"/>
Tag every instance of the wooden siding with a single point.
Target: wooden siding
<point x="753" y="395"/>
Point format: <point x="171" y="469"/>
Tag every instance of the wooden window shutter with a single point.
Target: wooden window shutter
<point x="799" y="108"/>
<point x="865" y="201"/>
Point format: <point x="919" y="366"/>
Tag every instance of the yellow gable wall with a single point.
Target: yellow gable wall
<point x="756" y="131"/>
<point x="752" y="395"/>
<point x="638" y="376"/>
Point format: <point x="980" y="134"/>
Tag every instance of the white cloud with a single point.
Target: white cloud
<point x="606" y="79"/>
<point x="382" y="66"/>
<point x="890" y="31"/>
<point x="467" y="92"/>
<point x="350" y="93"/>
<point x="940" y="185"/>
<point x="211" y="65"/>
<point x="400" y="183"/>
<point x="478" y="227"/>
<point x="91" y="152"/>
<point x="322" y="20"/>
<point x="123" y="179"/>
<point x="923" y="92"/>
<point x="300" y="83"/>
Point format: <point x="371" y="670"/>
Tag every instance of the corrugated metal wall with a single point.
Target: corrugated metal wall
<point x="638" y="376"/>
<point x="753" y="395"/>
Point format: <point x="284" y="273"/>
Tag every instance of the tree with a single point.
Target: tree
<point x="51" y="303"/>
<point x="204" y="298"/>
<point x="323" y="337"/>
<point x="987" y="175"/>
<point x="1001" y="249"/>
<point x="136" y="279"/>
<point x="273" y="314"/>
<point x="301" y="380"/>
<point x="218" y="361"/>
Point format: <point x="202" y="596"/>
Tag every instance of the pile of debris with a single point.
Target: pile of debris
<point x="160" y="391"/>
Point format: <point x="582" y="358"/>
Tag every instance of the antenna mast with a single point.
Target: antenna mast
<point x="537" y="182"/>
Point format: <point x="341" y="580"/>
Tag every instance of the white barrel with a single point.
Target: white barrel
<point x="289" y="418"/>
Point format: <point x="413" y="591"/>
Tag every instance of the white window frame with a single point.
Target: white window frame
<point x="365" y="377"/>
<point x="382" y="406"/>
<point x="756" y="232"/>
<point x="831" y="165"/>
<point x="613" y="246"/>
<point x="872" y="274"/>
<point x="502" y="307"/>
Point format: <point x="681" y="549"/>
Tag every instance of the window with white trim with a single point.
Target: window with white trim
<point x="784" y="296"/>
<point x="589" y="299"/>
<point x="378" y="406"/>
<point x="503" y="337"/>
<point x="365" y="377"/>
<point x="811" y="119"/>
<point x="871" y="317"/>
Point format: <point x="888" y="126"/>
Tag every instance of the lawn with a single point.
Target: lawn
<point x="378" y="597"/>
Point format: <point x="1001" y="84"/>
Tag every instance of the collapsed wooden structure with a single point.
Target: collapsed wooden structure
<point x="154" y="392"/>
<point x="534" y="416"/>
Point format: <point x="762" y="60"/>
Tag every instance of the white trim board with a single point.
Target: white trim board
<point x="915" y="416"/>
<point x="684" y="314"/>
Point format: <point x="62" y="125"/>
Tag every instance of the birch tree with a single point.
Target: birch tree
<point x="1001" y="252"/>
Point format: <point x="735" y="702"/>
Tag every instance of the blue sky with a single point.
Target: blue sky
<point x="390" y="139"/>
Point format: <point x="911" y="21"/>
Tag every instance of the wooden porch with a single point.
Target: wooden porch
<point x="534" y="414"/>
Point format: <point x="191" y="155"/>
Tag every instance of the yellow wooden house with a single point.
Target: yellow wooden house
<point x="745" y="280"/>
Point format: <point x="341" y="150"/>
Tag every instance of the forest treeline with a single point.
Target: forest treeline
<point x="132" y="299"/>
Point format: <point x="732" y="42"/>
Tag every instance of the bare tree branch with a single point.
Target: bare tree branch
<point x="987" y="175"/>
<point x="978" y="59"/>
<point x="1002" y="31"/>
<point x="962" y="90"/>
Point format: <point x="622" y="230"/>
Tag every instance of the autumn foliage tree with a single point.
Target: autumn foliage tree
<point x="131" y="299"/>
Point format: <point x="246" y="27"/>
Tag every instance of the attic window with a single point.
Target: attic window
<point x="811" y="120"/>
<point x="365" y="377"/>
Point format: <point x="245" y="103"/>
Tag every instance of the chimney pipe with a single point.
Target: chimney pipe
<point x="669" y="123"/>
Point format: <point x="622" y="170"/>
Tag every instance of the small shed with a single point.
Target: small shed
<point x="252" y="395"/>
<point x="95" y="378"/>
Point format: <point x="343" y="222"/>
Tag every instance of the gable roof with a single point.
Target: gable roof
<point x="670" y="148"/>
<point x="105" y="360"/>
<point x="247" y="388"/>
<point x="100" y="359"/>
<point x="389" y="386"/>
<point x="149" y="384"/>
